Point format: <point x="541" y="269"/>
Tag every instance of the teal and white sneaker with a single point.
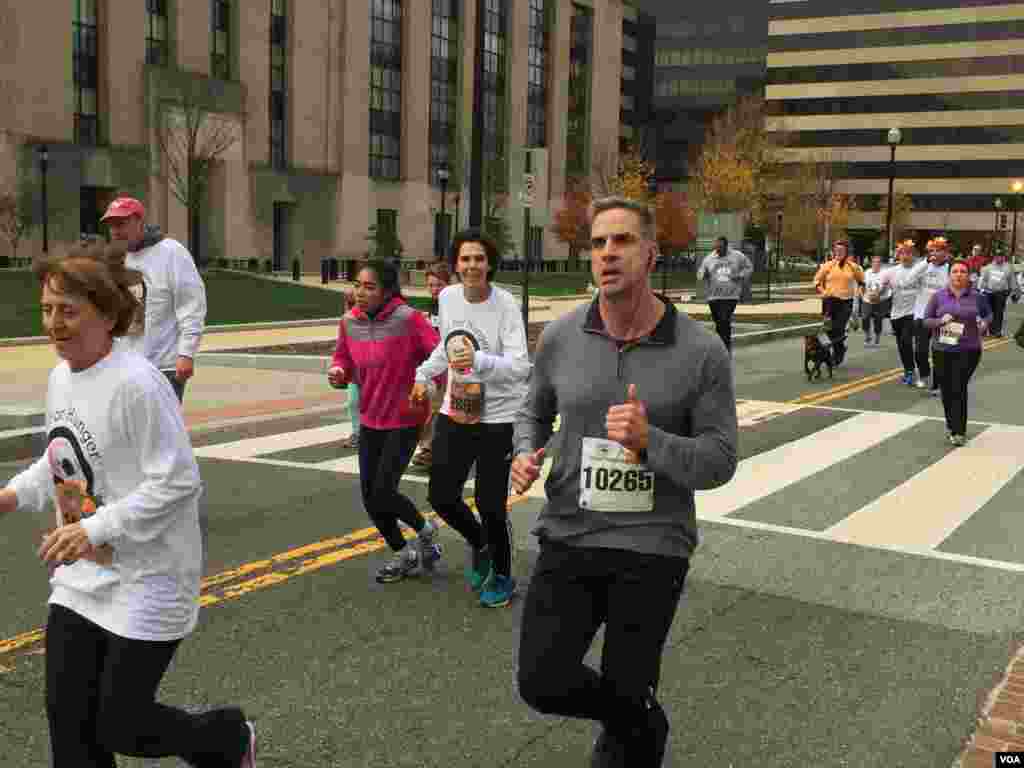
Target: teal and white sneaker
<point x="399" y="566"/>
<point x="498" y="592"/>
<point x="430" y="550"/>
<point x="479" y="568"/>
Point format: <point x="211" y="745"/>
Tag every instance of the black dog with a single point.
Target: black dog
<point x="818" y="352"/>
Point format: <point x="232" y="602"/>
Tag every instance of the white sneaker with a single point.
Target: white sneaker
<point x="922" y="382"/>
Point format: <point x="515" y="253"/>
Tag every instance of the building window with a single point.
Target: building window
<point x="581" y="42"/>
<point x="278" y="82"/>
<point x="385" y="89"/>
<point x="628" y="103"/>
<point x="86" y="73"/>
<point x="220" y="33"/>
<point x="629" y="72"/>
<point x="494" y="80"/>
<point x="537" y="94"/>
<point x="629" y="43"/>
<point x="444" y="60"/>
<point x="156" y="32"/>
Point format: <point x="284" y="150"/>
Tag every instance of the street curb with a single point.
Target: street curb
<point x="297" y="363"/>
<point x="25" y="341"/>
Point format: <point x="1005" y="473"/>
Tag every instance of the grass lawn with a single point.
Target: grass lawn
<point x="569" y="283"/>
<point x="231" y="298"/>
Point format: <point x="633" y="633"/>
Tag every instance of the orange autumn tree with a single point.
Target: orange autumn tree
<point x="677" y="222"/>
<point x="570" y="224"/>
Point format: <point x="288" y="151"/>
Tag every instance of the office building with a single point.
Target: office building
<point x="342" y="113"/>
<point x="948" y="73"/>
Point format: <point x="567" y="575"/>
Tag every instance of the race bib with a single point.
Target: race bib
<point x="723" y="275"/>
<point x="465" y="401"/>
<point x="612" y="479"/>
<point x="950" y="333"/>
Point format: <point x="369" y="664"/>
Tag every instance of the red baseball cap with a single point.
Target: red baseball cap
<point x="123" y="207"/>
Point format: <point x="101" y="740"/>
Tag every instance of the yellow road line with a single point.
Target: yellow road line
<point x="327" y="552"/>
<point x="867" y="382"/>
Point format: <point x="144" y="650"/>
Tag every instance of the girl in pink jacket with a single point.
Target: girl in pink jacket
<point x="380" y="344"/>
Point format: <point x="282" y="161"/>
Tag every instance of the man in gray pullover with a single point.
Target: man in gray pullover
<point x="648" y="416"/>
<point x="724" y="272"/>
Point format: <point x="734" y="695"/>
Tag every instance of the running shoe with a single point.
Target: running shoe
<point x="399" y="566"/>
<point x="922" y="383"/>
<point x="479" y="569"/>
<point x="607" y="752"/>
<point x="430" y="550"/>
<point x="958" y="440"/>
<point x="497" y="593"/>
<point x="908" y="378"/>
<point x="249" y="758"/>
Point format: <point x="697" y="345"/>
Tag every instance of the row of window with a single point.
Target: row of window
<point x="993" y="65"/>
<point x="1003" y="134"/>
<point x="702" y="57"/>
<point x="581" y="36"/>
<point x="443" y="84"/>
<point x="735" y="25"/>
<point x="873" y="38"/>
<point x="537" y="77"/>
<point x="970" y="169"/>
<point x="691" y="87"/>
<point x="865" y="105"/>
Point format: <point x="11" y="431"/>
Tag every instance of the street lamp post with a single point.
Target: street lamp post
<point x="442" y="238"/>
<point x="1017" y="187"/>
<point x="778" y="251"/>
<point x="44" y="163"/>
<point x="894" y="137"/>
<point x="995" y="226"/>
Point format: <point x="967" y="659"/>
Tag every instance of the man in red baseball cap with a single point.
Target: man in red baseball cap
<point x="175" y="297"/>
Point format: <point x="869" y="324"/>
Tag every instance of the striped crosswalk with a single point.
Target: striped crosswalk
<point x="863" y="478"/>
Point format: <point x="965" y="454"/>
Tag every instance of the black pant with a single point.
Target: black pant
<point x="573" y="591"/>
<point x="904" y="328"/>
<point x="455" y="448"/>
<point x="954" y="369"/>
<point x="872" y="315"/>
<point x="839" y="310"/>
<point x="384" y="455"/>
<point x="998" y="301"/>
<point x="721" y="312"/>
<point x="100" y="701"/>
<point x="923" y="350"/>
<point x="177" y="386"/>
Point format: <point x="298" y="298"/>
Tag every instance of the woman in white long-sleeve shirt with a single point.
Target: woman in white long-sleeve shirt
<point x="120" y="472"/>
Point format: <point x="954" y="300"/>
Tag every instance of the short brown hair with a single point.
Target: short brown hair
<point x="95" y="272"/>
<point x="648" y="225"/>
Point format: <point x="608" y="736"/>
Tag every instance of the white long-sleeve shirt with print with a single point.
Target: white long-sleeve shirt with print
<point x="501" y="361"/>
<point x="998" y="278"/>
<point x="175" y="303"/>
<point x="115" y="435"/>
<point x="876" y="286"/>
<point x="935" y="279"/>
<point x="906" y="284"/>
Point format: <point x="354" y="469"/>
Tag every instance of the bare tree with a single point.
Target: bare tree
<point x="19" y="214"/>
<point x="191" y="138"/>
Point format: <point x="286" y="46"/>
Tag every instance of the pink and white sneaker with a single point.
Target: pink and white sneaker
<point x="249" y="758"/>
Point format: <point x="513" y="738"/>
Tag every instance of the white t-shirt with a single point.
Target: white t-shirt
<point x="935" y="279"/>
<point x="175" y="303"/>
<point x="905" y="284"/>
<point x="115" y="432"/>
<point x="501" y="362"/>
<point x="874" y="283"/>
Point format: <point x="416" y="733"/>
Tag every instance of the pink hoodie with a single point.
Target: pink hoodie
<point x="381" y="354"/>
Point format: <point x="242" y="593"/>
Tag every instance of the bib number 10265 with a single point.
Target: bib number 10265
<point x="628" y="480"/>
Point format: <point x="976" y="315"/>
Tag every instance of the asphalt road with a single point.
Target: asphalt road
<point x="855" y="594"/>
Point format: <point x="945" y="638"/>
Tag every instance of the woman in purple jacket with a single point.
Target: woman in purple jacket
<point x="958" y="316"/>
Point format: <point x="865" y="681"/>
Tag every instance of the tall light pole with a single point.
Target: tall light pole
<point x="1017" y="187"/>
<point x="894" y="137"/>
<point x="44" y="163"/>
<point x="995" y="226"/>
<point x="442" y="236"/>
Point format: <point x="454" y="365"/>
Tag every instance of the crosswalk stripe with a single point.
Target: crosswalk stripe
<point x="792" y="462"/>
<point x="255" y="446"/>
<point x="932" y="504"/>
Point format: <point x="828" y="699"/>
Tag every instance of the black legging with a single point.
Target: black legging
<point x="904" y="328"/>
<point x="953" y="369"/>
<point x="872" y="315"/>
<point x="839" y="310"/>
<point x="998" y="301"/>
<point x="384" y="454"/>
<point x="455" y="448"/>
<point x="923" y="350"/>
<point x="100" y="701"/>
<point x="721" y="312"/>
